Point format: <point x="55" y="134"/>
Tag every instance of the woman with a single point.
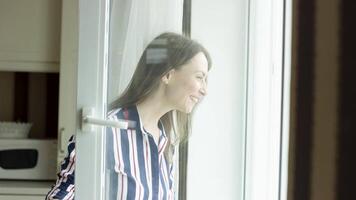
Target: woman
<point x="170" y="79"/>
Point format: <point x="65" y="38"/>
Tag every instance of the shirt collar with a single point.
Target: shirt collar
<point x="134" y="115"/>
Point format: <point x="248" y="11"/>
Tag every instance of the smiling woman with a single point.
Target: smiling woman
<point x="188" y="84"/>
<point x="170" y="79"/>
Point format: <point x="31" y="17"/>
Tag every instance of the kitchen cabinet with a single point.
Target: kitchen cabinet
<point x="30" y="35"/>
<point x="22" y="197"/>
<point x="39" y="38"/>
<point x="19" y="190"/>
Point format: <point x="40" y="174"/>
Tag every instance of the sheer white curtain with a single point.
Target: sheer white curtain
<point x="133" y="24"/>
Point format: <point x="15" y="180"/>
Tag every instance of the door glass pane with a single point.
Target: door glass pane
<point x="216" y="147"/>
<point x="133" y="164"/>
<point x="142" y="161"/>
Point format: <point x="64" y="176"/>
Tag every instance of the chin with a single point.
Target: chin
<point x="186" y="110"/>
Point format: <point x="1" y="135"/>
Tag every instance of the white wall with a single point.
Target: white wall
<point x="215" y="165"/>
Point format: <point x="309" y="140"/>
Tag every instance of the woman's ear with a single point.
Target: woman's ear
<point x="168" y="76"/>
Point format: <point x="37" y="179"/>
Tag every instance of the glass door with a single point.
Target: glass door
<point x="131" y="153"/>
<point x="116" y="37"/>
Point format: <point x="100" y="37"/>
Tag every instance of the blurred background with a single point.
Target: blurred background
<point x="323" y="111"/>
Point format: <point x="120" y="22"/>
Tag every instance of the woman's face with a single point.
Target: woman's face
<point x="188" y="85"/>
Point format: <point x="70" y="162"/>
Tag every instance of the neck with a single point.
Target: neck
<point x="151" y="110"/>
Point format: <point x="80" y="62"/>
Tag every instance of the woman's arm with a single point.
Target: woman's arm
<point x="64" y="186"/>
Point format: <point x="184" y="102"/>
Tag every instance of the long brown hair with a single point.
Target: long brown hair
<point x="167" y="51"/>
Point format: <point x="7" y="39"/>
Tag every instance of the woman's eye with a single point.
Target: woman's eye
<point x="200" y="77"/>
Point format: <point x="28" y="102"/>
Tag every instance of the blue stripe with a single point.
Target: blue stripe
<point x="125" y="149"/>
<point x="155" y="168"/>
<point x="141" y="162"/>
<point x="111" y="189"/>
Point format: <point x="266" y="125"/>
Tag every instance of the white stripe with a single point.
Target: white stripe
<point x="112" y="113"/>
<point x="69" y="169"/>
<point x="71" y="158"/>
<point x="116" y="148"/>
<point x="160" y="145"/>
<point x="165" y="175"/>
<point x="148" y="165"/>
<point x="70" y="195"/>
<point x="53" y="193"/>
<point x="171" y="178"/>
<point x="70" y="188"/>
<point x="122" y="186"/>
<point x="124" y="182"/>
<point x="119" y="186"/>
<point x="119" y="163"/>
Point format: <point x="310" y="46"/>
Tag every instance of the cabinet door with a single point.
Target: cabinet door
<point x="30" y="35"/>
<point x="68" y="76"/>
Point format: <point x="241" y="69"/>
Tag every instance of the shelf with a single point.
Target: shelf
<point x="47" y="67"/>
<point x="25" y="187"/>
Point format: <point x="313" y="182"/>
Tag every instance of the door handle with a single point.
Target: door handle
<point x="60" y="139"/>
<point x="88" y="121"/>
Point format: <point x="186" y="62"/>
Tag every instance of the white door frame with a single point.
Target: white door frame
<point x="267" y="128"/>
<point x="92" y="92"/>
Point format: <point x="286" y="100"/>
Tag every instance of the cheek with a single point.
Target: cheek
<point x="189" y="88"/>
<point x="182" y="91"/>
<point x="194" y="87"/>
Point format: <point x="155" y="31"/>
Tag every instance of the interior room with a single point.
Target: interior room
<point x="276" y="122"/>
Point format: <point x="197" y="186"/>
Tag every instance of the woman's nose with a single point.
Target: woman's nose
<point x="203" y="90"/>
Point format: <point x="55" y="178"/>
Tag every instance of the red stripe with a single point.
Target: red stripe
<point x="126" y="114"/>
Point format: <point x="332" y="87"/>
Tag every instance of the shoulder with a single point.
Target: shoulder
<point x="123" y="113"/>
<point x="117" y="113"/>
<point x="114" y="113"/>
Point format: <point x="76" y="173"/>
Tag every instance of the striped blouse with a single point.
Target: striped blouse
<point x="136" y="168"/>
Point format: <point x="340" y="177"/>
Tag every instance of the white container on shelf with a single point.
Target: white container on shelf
<point x="14" y="130"/>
